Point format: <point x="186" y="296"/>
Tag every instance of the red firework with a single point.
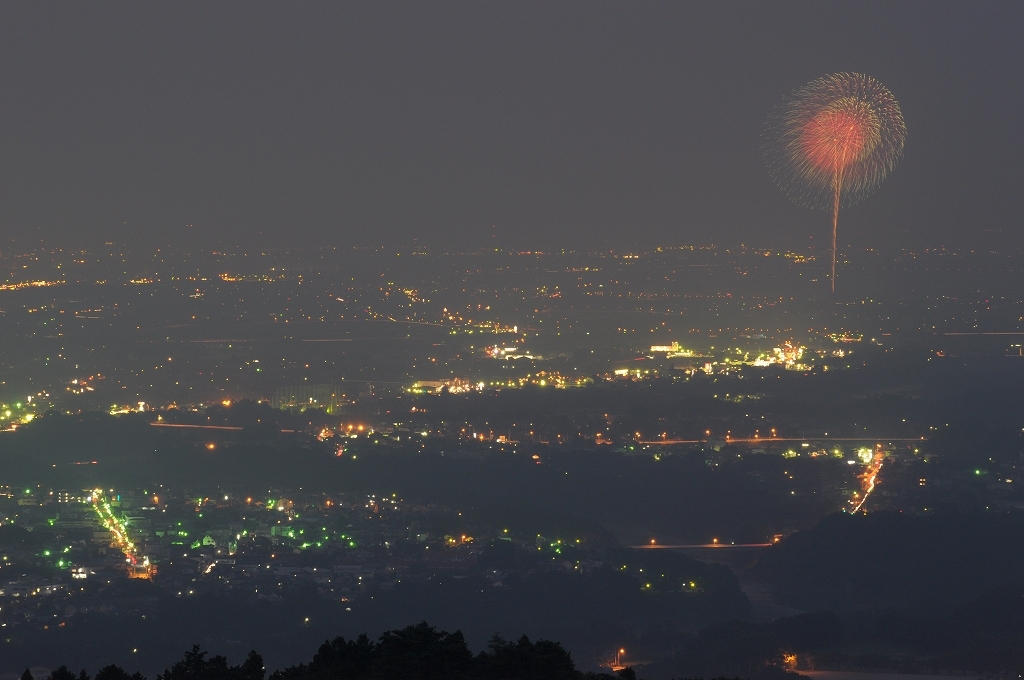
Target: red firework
<point x="834" y="141"/>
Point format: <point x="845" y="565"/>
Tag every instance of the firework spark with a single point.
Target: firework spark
<point x="834" y="141"/>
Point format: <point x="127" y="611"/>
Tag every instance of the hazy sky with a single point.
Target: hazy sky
<point x="557" y="123"/>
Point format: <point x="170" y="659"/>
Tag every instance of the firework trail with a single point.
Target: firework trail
<point x="833" y="141"/>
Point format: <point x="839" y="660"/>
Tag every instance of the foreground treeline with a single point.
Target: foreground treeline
<point x="419" y="652"/>
<point x="986" y="635"/>
<point x="422" y="652"/>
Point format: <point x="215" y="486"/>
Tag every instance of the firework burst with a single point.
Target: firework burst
<point x="833" y="141"/>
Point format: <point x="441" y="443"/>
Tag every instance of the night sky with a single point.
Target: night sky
<point x="544" y="124"/>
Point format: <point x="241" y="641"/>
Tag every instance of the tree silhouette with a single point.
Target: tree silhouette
<point x="195" y="666"/>
<point x="113" y="672"/>
<point x="543" y="660"/>
<point x="422" y="652"/>
<point x="63" y="673"/>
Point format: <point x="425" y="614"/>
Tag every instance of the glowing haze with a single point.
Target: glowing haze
<point x="834" y="141"/>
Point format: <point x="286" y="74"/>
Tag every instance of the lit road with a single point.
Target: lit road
<point x="693" y="546"/>
<point x="869" y="479"/>
<point x="139" y="567"/>
<point x="770" y="440"/>
<point x="229" y="428"/>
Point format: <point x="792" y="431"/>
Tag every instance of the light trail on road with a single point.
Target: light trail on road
<point x="870" y="478"/>
<point x="121" y="540"/>
<point x="700" y="546"/>
<point x="229" y="428"/>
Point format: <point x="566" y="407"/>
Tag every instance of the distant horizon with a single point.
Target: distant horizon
<point x="764" y="243"/>
<point x="560" y="123"/>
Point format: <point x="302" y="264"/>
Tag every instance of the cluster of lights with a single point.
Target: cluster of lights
<point x="20" y="413"/>
<point x="82" y="385"/>
<point x="30" y="284"/>
<point x="262" y="278"/>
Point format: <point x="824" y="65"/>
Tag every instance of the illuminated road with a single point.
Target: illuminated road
<point x="769" y="440"/>
<point x="869" y="479"/>
<point x="230" y="428"/>
<point x="138" y="567"/>
<point x="709" y="546"/>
